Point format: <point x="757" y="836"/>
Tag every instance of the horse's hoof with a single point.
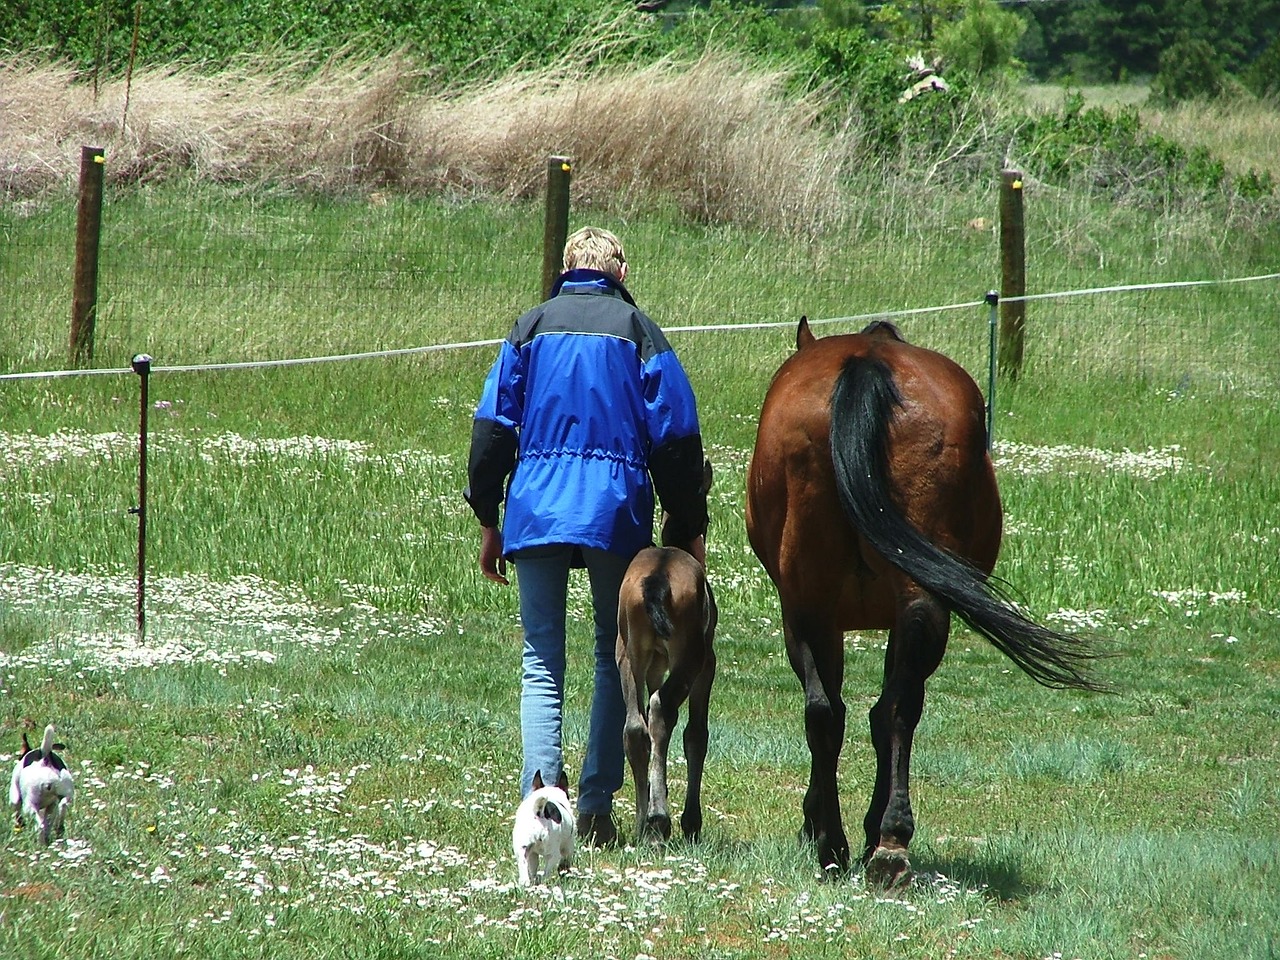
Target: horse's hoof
<point x="888" y="868"/>
<point x="597" y="830"/>
<point x="658" y="827"/>
<point x="834" y="860"/>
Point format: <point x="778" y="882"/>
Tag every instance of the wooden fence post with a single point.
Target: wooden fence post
<point x="556" y="228"/>
<point x="84" y="296"/>
<point x="1013" y="274"/>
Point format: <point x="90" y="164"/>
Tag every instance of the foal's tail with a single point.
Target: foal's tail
<point x="657" y="594"/>
<point x="862" y="406"/>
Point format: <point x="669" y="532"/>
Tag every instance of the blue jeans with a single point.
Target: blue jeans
<point x="542" y="575"/>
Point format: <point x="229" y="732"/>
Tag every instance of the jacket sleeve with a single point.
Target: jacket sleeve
<point x="676" y="468"/>
<point x="494" y="437"/>
<point x="675" y="452"/>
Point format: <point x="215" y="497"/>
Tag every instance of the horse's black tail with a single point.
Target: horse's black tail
<point x="656" y="588"/>
<point x="862" y="405"/>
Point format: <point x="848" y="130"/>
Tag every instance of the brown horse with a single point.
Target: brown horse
<point x="666" y="626"/>
<point x="872" y="504"/>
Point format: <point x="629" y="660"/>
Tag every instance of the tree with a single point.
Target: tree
<point x="982" y="42"/>
<point x="913" y="23"/>
<point x="1263" y="75"/>
<point x="1189" y="70"/>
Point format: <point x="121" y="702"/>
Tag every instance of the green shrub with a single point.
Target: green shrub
<point x="1189" y="70"/>
<point x="744" y="27"/>
<point x="981" y="43"/>
<point x="842" y="13"/>
<point x="867" y="75"/>
<point x="858" y="65"/>
<point x="1254" y="185"/>
<point x="1263" y="75"/>
<point x="455" y="39"/>
<point x="1110" y="152"/>
<point x="914" y="23"/>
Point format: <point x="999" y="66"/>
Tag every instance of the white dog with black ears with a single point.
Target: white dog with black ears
<point x="543" y="835"/>
<point x="42" y="786"/>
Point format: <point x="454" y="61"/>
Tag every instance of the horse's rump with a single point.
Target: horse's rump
<point x="936" y="473"/>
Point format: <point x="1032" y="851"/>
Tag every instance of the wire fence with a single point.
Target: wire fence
<point x="263" y="282"/>
<point x="201" y="277"/>
<point x="207" y="280"/>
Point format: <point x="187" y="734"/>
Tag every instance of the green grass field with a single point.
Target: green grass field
<point x="314" y="751"/>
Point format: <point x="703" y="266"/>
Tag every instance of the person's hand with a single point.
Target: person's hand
<point x="698" y="549"/>
<point x="492" y="563"/>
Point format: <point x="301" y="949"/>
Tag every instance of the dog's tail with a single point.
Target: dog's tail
<point x="46" y="747"/>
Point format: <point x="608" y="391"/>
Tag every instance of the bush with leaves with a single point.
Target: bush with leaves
<point x="1254" y="185"/>
<point x="454" y="41"/>
<point x="737" y="26"/>
<point x="1263" y="76"/>
<point x="1111" y="153"/>
<point x="982" y="41"/>
<point x="1189" y="70"/>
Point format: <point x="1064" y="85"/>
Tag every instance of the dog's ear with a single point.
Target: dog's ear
<point x="563" y="782"/>
<point x="537" y="780"/>
<point x="26" y="744"/>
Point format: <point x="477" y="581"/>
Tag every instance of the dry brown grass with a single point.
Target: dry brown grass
<point x="717" y="139"/>
<point x="1243" y="132"/>
<point x="720" y="141"/>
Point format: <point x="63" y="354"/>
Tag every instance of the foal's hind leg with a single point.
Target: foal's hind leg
<point x="916" y="645"/>
<point x="695" y="746"/>
<point x="635" y="734"/>
<point x="664" y="710"/>
<point x="817" y="657"/>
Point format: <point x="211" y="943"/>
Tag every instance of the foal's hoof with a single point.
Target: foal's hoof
<point x="888" y="868"/>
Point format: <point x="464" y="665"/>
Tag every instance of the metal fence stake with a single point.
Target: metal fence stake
<point x="993" y="307"/>
<point x="142" y="367"/>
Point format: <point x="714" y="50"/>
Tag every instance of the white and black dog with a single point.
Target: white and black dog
<point x="42" y="786"/>
<point x="543" y="836"/>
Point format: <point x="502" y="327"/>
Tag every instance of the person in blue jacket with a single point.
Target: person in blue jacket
<point x="584" y="414"/>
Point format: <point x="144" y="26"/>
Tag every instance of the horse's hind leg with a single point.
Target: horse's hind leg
<point x="817" y="657"/>
<point x="916" y="645"/>
<point x="696" y="736"/>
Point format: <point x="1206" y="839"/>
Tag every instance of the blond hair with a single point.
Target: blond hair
<point x="593" y="248"/>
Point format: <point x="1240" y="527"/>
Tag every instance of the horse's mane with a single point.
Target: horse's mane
<point x="883" y="330"/>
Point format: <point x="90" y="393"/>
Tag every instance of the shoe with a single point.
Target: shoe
<point x="597" y="830"/>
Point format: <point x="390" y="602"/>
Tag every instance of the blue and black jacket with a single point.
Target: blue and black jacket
<point x="586" y="402"/>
